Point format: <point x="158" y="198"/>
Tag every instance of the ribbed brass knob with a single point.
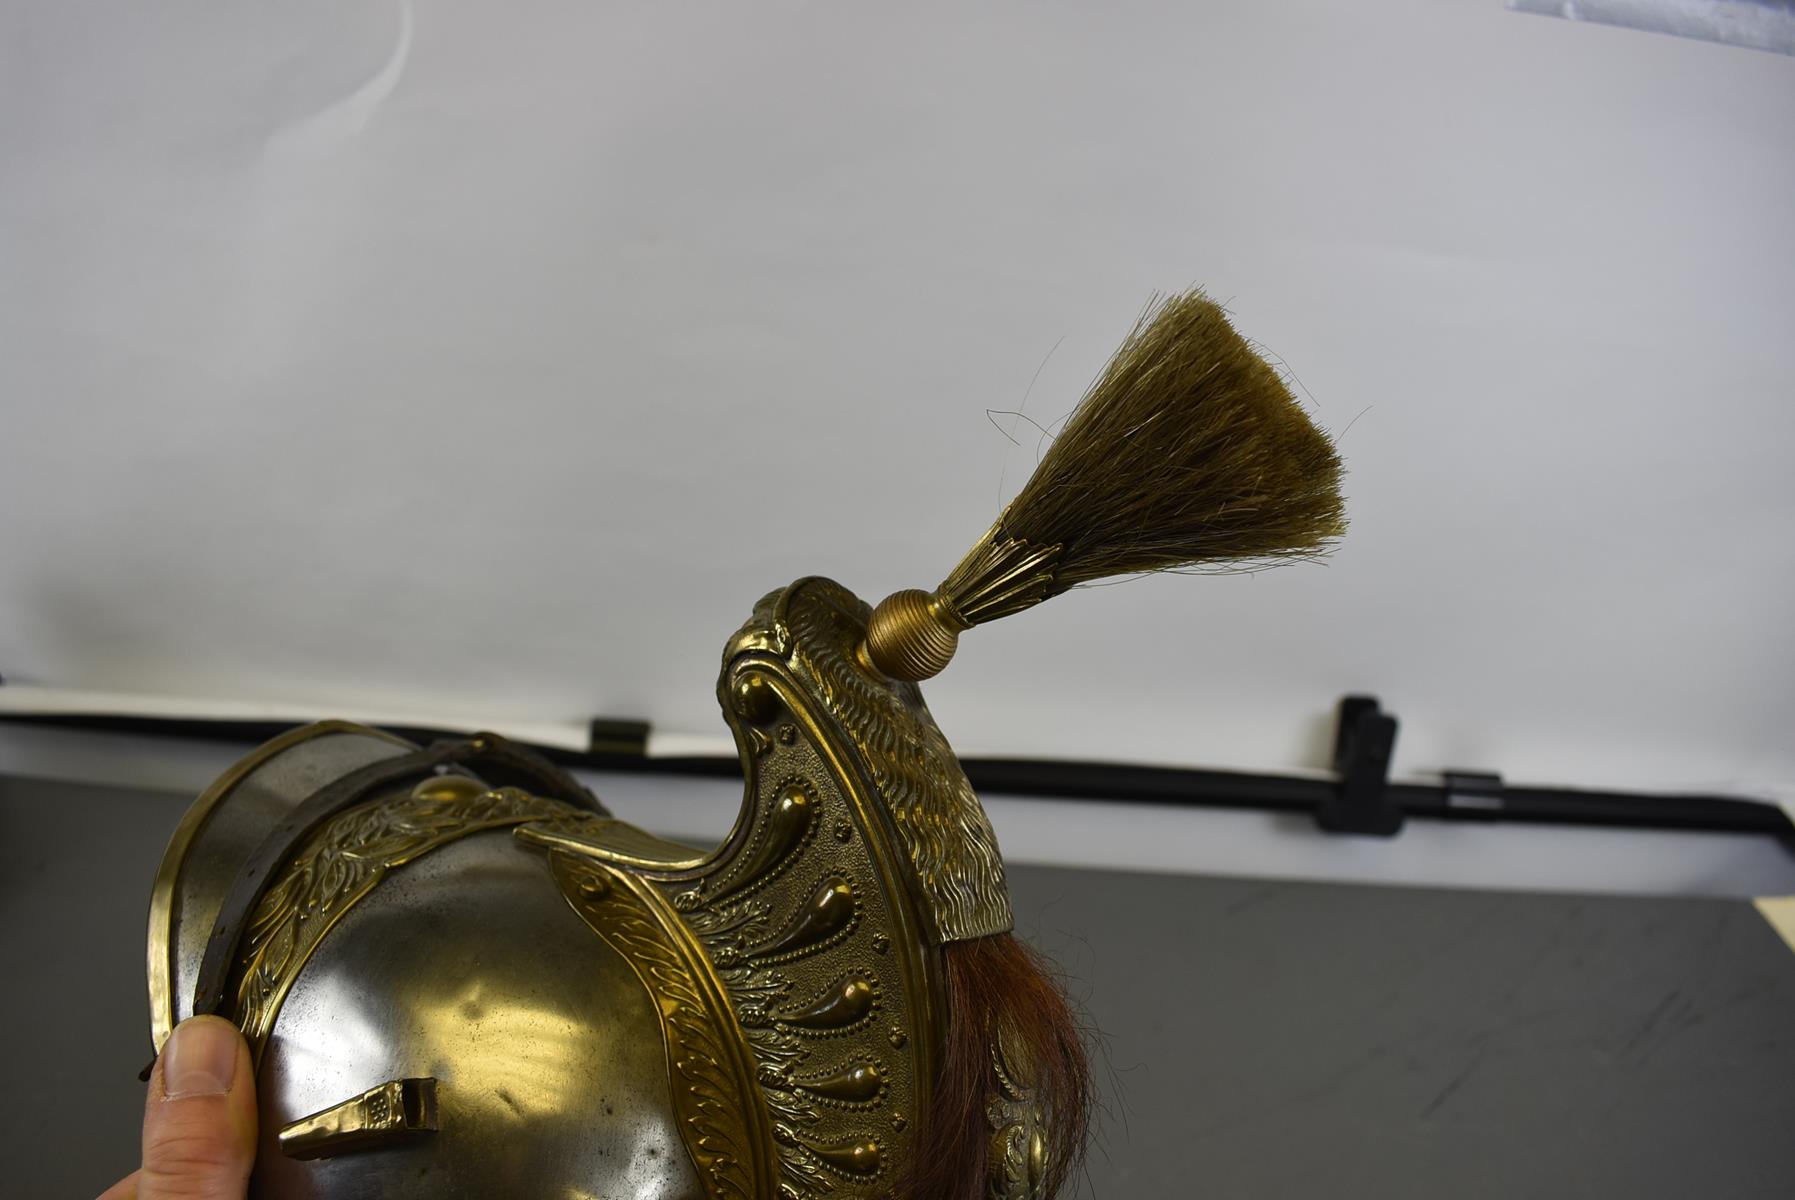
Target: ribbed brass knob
<point x="911" y="636"/>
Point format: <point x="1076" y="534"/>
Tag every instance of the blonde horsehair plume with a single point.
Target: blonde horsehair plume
<point x="1188" y="453"/>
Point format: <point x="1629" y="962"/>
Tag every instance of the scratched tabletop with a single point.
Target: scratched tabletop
<point x="1276" y="1040"/>
<point x="1326" y="1040"/>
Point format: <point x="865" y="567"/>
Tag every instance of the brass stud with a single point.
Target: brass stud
<point x="755" y="699"/>
<point x="447" y="789"/>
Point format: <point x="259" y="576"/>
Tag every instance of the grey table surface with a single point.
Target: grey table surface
<point x="1257" y="1039"/>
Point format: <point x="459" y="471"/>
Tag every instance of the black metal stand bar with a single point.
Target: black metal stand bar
<point x="622" y="746"/>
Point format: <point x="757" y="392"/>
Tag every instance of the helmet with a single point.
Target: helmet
<point x="454" y="965"/>
<point x="459" y="975"/>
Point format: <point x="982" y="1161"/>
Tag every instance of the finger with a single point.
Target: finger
<point x="199" y="1121"/>
<point x="124" y="1189"/>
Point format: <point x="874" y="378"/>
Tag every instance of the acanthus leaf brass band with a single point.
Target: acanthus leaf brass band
<point x="340" y="865"/>
<point x="722" y="1119"/>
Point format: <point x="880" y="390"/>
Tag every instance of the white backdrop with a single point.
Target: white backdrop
<point x="492" y="359"/>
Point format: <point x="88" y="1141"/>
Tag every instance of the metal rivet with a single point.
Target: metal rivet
<point x="755" y="699"/>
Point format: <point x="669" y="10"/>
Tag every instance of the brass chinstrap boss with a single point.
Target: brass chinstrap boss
<point x="460" y="975"/>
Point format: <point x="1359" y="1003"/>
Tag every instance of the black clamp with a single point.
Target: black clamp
<point x="1360" y="801"/>
<point x="612" y="737"/>
<point x="1473" y="795"/>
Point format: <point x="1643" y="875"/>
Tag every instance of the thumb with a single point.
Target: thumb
<point x="199" y="1120"/>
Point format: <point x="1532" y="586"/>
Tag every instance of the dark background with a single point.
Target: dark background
<point x="1259" y="1039"/>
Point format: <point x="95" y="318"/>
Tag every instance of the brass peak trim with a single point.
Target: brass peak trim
<point x="396" y="1109"/>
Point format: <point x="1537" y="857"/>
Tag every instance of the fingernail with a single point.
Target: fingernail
<point x="200" y="1058"/>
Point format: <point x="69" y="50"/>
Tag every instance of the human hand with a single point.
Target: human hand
<point x="199" y="1118"/>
